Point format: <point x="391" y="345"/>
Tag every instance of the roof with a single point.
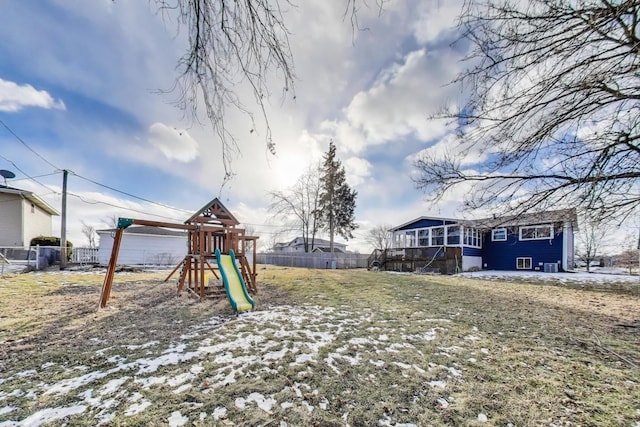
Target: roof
<point x="32" y="197"/>
<point x="213" y="212"/>
<point x="560" y="215"/>
<point x="328" y="250"/>
<point x="317" y="242"/>
<point x="146" y="230"/>
<point x="420" y="218"/>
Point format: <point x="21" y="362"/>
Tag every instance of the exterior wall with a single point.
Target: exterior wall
<point x="469" y="251"/>
<point x="36" y="221"/>
<point x="502" y="255"/>
<point x="469" y="262"/>
<point x="143" y="249"/>
<point x="570" y="249"/>
<point x="297" y="246"/>
<point x="11" y="220"/>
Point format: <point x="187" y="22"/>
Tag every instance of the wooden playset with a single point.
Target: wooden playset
<point x="211" y="228"/>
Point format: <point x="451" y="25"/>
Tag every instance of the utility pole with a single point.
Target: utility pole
<point x="63" y="222"/>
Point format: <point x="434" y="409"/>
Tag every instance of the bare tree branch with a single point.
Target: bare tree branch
<point x="553" y="118"/>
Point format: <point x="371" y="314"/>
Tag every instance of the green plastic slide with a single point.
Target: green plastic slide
<point x="233" y="283"/>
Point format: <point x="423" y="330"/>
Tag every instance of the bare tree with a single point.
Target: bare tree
<point x="379" y="237"/>
<point x="89" y="231"/>
<point x="249" y="230"/>
<point x="590" y="240"/>
<point x="110" y="221"/>
<point x="230" y="42"/>
<point x="553" y="115"/>
<point x="630" y="256"/>
<point x="233" y="42"/>
<point x="298" y="206"/>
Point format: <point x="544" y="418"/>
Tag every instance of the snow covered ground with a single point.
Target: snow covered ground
<point x="537" y="276"/>
<point x="220" y="352"/>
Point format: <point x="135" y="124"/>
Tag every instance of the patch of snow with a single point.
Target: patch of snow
<point x="47" y="365"/>
<point x="176" y="419"/>
<point x="429" y="335"/>
<point x="455" y="372"/>
<point x="69" y="384"/>
<point x="136" y="408"/>
<point x="112" y="386"/>
<point x="438" y="384"/>
<point x="484" y="350"/>
<point x="219" y="412"/>
<point x="443" y="402"/>
<point x="27" y="373"/>
<point x="182" y="389"/>
<point x="579" y="277"/>
<point x="286" y="405"/>
<point x="377" y="363"/>
<point x="116" y="359"/>
<point x="7" y="409"/>
<point x="308" y="406"/>
<point x="139" y="346"/>
<point x="482" y="418"/>
<point x="180" y="379"/>
<point x="402" y="365"/>
<point x="472" y="338"/>
<point x="302" y="359"/>
<point x="147" y="382"/>
<point x="106" y="418"/>
<point x="51" y="414"/>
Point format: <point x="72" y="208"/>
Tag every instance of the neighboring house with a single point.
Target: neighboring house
<point x="319" y="245"/>
<point x="542" y="242"/>
<point x="142" y="245"/>
<point x="23" y="216"/>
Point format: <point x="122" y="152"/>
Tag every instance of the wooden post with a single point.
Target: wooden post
<point x="111" y="268"/>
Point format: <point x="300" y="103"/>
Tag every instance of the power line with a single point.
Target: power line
<point x="26" y="145"/>
<point x="29" y="176"/>
<point x="96" y="202"/>
<point x="79" y="176"/>
<point x="129" y="194"/>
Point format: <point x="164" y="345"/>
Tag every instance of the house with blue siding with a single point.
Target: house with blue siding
<point x="541" y="241"/>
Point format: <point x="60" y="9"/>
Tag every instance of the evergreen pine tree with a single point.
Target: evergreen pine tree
<point x="337" y="200"/>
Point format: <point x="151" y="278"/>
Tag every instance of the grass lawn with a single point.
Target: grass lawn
<point x="324" y="347"/>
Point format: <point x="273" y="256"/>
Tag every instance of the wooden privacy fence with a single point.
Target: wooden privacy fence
<point x="314" y="260"/>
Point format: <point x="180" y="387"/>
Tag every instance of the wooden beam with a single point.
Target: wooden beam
<point x="111" y="268"/>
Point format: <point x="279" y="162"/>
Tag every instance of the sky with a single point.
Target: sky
<point x="84" y="87"/>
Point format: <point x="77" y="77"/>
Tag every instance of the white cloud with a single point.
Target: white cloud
<point x="14" y="97"/>
<point x="450" y="146"/>
<point x="399" y="104"/>
<point x="175" y="144"/>
<point x="357" y="170"/>
<point x="437" y="20"/>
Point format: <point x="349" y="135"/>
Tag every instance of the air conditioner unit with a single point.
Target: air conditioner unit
<point x="550" y="267"/>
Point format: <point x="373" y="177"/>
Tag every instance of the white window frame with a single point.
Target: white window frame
<point x="410" y="239"/>
<point x="471" y="235"/>
<point x="443" y="236"/>
<point x="427" y="237"/>
<point x="536" y="227"/>
<point x="493" y="235"/>
<point x="524" y="259"/>
<point x="459" y="235"/>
